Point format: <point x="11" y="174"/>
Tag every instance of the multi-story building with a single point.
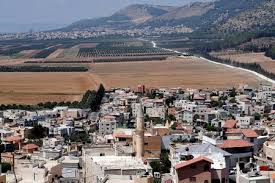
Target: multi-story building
<point x="107" y="125"/>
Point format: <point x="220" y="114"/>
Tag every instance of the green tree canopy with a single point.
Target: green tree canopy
<point x="38" y="132"/>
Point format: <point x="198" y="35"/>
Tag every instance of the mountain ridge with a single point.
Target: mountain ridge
<point x="220" y="15"/>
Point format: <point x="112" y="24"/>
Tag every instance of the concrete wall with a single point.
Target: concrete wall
<point x="184" y="175"/>
<point x="3" y="178"/>
<point x="220" y="175"/>
<point x="152" y="146"/>
<point x="269" y="150"/>
<point x="144" y="180"/>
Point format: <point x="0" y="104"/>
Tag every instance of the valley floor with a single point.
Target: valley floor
<point x="32" y="88"/>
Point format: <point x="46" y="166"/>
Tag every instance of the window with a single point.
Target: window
<point x="216" y="181"/>
<point x="252" y="140"/>
<point x="193" y="179"/>
<point x="206" y="167"/>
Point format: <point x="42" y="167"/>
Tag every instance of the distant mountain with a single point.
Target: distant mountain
<point x="260" y="17"/>
<point x="210" y="15"/>
<point x="220" y="15"/>
<point x="140" y="13"/>
<point x="180" y="14"/>
<point x="130" y="16"/>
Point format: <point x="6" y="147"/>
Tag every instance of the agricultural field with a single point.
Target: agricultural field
<point x="85" y="45"/>
<point x="32" y="88"/>
<point x="69" y="53"/>
<point x="112" y="63"/>
<point x="122" y="49"/>
<point x="55" y="54"/>
<point x="121" y="52"/>
<point x="175" y="72"/>
<point x="243" y="57"/>
<point x="265" y="62"/>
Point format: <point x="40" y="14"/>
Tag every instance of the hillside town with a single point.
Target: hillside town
<point x="149" y="135"/>
<point x="95" y="33"/>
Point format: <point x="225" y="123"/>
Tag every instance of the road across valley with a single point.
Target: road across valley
<point x="225" y="65"/>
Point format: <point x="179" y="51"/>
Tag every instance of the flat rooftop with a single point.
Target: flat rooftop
<point x="119" y="162"/>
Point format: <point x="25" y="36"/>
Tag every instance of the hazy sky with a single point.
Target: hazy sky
<point x="28" y="13"/>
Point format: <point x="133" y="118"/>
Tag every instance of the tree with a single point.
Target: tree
<point x="146" y="118"/>
<point x="171" y="117"/>
<point x="174" y="126"/>
<point x="162" y="166"/>
<point x="95" y="102"/>
<point x="156" y="166"/>
<point x="233" y="92"/>
<point x="79" y="137"/>
<point x="170" y="100"/>
<point x="38" y="132"/>
<point x="270" y="52"/>
<point x="210" y="127"/>
<point x="233" y="100"/>
<point x="165" y="162"/>
<point x="257" y="116"/>
<point x="5" y="166"/>
<point x="196" y="117"/>
<point x="157" y="120"/>
<point x="151" y="95"/>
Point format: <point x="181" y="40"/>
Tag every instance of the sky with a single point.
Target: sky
<point x="23" y="15"/>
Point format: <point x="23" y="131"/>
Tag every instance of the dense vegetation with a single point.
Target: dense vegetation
<point x="18" y="48"/>
<point x="224" y="41"/>
<point x="80" y="137"/>
<point x="34" y="68"/>
<point x="91" y="99"/>
<point x="162" y="166"/>
<point x="38" y="132"/>
<point x="45" y="53"/>
<point x="5" y="166"/>
<point x="203" y="41"/>
<point x="101" y="60"/>
<point x="270" y="52"/>
<point x="13" y="47"/>
<point x="121" y="51"/>
<point x="129" y="59"/>
<point x="205" y="16"/>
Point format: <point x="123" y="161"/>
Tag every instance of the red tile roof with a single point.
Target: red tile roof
<point x="234" y="130"/>
<point x="30" y="146"/>
<point x="192" y="161"/>
<point x="13" y="139"/>
<point x="249" y="133"/>
<point x="230" y="123"/>
<point x="234" y="144"/>
<point x="7" y="155"/>
<point x="120" y="135"/>
<point x="179" y="126"/>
